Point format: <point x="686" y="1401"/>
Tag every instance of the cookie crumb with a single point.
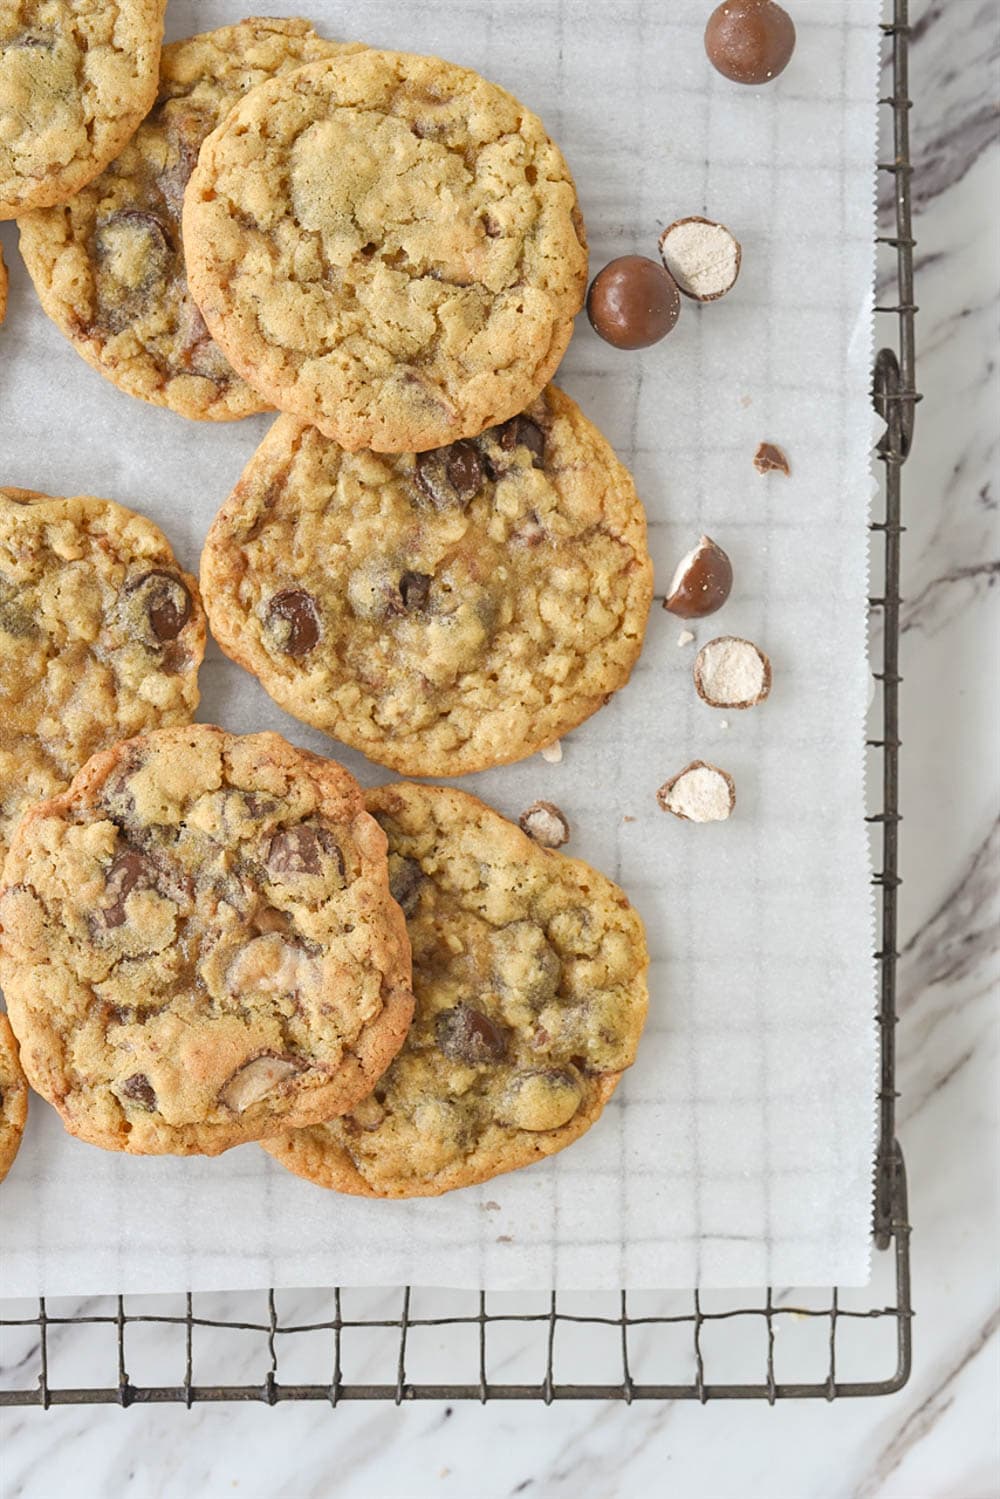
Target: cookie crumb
<point x="699" y="793"/>
<point x="627" y="818"/>
<point x="552" y="752"/>
<point x="505" y="1238"/>
<point x="491" y="1206"/>
<point x="769" y="459"/>
<point x="544" y="822"/>
<point x="685" y="637"/>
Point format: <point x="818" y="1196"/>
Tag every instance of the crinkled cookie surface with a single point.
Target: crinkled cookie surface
<point x="198" y="944"/>
<point x="441" y="612"/>
<point x="387" y="246"/>
<point x="76" y="77"/>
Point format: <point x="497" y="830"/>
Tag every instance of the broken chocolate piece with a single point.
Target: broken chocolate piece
<point x="544" y="822"/>
<point x="701" y="583"/>
<point x="129" y="870"/>
<point x="138" y="1089"/>
<point x="450" y="476"/>
<point x="294" y="851"/>
<point x="699" y="793"/>
<point x="732" y="673"/>
<point x="702" y="256"/>
<point x="522" y="432"/>
<point x="769" y="459"/>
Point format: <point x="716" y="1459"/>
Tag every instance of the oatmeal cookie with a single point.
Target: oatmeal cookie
<point x="388" y="247"/>
<point x="529" y="971"/>
<point x="199" y="946"/>
<point x="101" y="637"/>
<point x="443" y="612"/>
<point x="76" y="77"/>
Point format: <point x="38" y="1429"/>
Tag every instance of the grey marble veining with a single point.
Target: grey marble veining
<point x="937" y="1440"/>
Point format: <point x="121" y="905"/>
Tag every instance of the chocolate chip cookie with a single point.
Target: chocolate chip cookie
<point x="76" y="77"/>
<point x="388" y="247"/>
<point x="109" y="265"/>
<point x="101" y="637"/>
<point x="529" y="970"/>
<point x="445" y="611"/>
<point x="199" y="946"/>
<point x="13" y="1097"/>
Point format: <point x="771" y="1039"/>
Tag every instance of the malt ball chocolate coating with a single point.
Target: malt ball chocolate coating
<point x="749" y="41"/>
<point x="633" y="302"/>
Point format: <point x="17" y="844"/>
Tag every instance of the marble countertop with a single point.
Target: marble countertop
<point x="937" y="1439"/>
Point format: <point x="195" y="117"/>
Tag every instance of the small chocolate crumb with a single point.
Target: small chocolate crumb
<point x="544" y="822"/>
<point x="769" y="459"/>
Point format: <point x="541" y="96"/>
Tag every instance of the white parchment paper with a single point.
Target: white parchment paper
<point x="739" y="1149"/>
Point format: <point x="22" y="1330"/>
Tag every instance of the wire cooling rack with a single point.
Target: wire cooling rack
<point x="404" y="1345"/>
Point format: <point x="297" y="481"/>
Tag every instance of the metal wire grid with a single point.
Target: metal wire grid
<point x="895" y="397"/>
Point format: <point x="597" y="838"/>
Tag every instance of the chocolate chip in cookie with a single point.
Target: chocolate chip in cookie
<point x="165" y="601"/>
<point x="293" y="621"/>
<point x="405" y="880"/>
<point x="138" y="1089"/>
<point x="467" y="1035"/>
<point x="450" y="476"/>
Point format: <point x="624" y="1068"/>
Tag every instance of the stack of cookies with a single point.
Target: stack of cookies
<point x="208" y="939"/>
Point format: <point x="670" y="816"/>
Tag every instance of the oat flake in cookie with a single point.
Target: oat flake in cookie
<point x="199" y="945"/>
<point x="529" y="970"/>
<point x="76" y="77"/>
<point x="442" y="612"/>
<point x="109" y="265"/>
<point x="101" y="637"/>
<point x="13" y="1097"/>
<point x="388" y="247"/>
